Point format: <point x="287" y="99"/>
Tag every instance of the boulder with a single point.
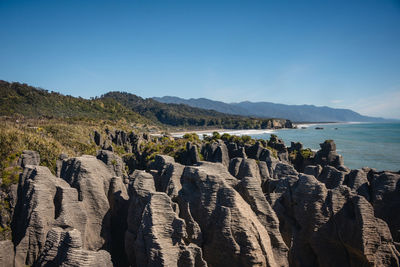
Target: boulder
<point x="168" y="178"/>
<point x="59" y="163"/>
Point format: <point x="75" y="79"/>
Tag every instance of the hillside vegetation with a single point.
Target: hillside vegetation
<point x="18" y="99"/>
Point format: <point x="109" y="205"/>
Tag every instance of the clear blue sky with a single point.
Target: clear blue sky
<point x="338" y="53"/>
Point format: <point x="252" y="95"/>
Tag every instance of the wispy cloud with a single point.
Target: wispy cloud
<point x="384" y="105"/>
<point x="337" y="101"/>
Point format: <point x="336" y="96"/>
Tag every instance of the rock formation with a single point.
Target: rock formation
<point x="240" y="207"/>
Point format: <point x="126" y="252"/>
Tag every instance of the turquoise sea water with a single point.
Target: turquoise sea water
<point x="376" y="145"/>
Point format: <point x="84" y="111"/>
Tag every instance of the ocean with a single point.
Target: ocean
<point x="376" y="145"/>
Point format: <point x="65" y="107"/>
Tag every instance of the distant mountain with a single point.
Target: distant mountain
<point x="22" y="99"/>
<point x="296" y="113"/>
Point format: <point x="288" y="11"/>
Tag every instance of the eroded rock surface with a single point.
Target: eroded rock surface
<point x="241" y="207"/>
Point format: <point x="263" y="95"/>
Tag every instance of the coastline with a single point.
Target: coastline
<point x="253" y="131"/>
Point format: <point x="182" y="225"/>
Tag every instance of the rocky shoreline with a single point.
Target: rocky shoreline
<point x="221" y="201"/>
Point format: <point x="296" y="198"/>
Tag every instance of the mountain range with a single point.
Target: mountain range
<point x="295" y="113"/>
<point x="18" y="99"/>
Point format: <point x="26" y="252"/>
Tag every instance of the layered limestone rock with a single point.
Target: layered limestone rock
<point x="242" y="207"/>
<point x="333" y="227"/>
<point x="114" y="163"/>
<point x="385" y="197"/>
<point x="327" y="155"/>
<point x="29" y="157"/>
<point x="6" y="253"/>
<point x="64" y="248"/>
<point x="233" y="234"/>
<point x="156" y="235"/>
<point x="92" y="179"/>
<point x="216" y="152"/>
<point x="44" y="201"/>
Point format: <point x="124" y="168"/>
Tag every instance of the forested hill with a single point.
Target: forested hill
<point x="296" y="113"/>
<point x="22" y="99"/>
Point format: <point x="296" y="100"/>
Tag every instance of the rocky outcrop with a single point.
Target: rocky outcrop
<point x="64" y="248"/>
<point x="91" y="178"/>
<point x="6" y="253"/>
<point x="334" y="227"/>
<point x="29" y="157"/>
<point x="385" y="197"/>
<point x="114" y="163"/>
<point x="327" y="155"/>
<point x="216" y="152"/>
<point x="357" y="180"/>
<point x="240" y="207"/>
<point x="52" y="203"/>
<point x="233" y="234"/>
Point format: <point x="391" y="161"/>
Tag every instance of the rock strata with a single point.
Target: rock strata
<point x="245" y="205"/>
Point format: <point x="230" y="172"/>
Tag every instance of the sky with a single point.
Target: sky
<point x="338" y="53"/>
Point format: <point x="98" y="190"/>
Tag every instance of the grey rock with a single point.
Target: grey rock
<point x="357" y="180"/>
<point x="338" y="228"/>
<point x="160" y="239"/>
<point x="249" y="188"/>
<point x="216" y="152"/>
<point x="332" y="227"/>
<point x="385" y="197"/>
<point x="283" y="169"/>
<point x="160" y="161"/>
<point x="233" y="234"/>
<point x="44" y="201"/>
<point x="264" y="171"/>
<point x="327" y="155"/>
<point x="314" y="170"/>
<point x="192" y="155"/>
<point x="107" y="145"/>
<point x="331" y="177"/>
<point x="64" y="248"/>
<point x="59" y="163"/>
<point x="254" y="151"/>
<point x="168" y="179"/>
<point x="114" y="163"/>
<point x="140" y="188"/>
<point x="6" y="253"/>
<point x="98" y="139"/>
<point x="29" y="157"/>
<point x="92" y="178"/>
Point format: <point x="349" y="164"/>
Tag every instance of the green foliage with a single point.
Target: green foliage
<point x="216" y="135"/>
<point x="193" y="137"/>
<point x="245" y="138"/>
<point x="273" y="151"/>
<point x="306" y="153"/>
<point x="16" y="98"/>
<point x="184" y="115"/>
